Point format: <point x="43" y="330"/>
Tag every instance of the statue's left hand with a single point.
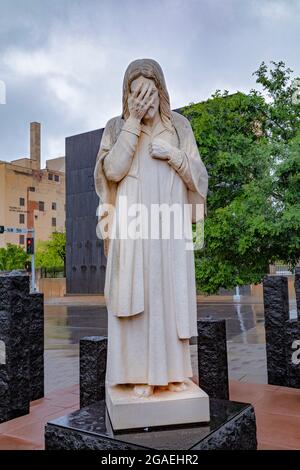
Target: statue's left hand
<point x="160" y="149"/>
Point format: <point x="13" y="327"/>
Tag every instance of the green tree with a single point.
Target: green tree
<point x="286" y="198"/>
<point x="52" y="253"/>
<point x="250" y="147"/>
<point x="12" y="257"/>
<point x="283" y="119"/>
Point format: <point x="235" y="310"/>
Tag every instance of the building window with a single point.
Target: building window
<point x="54" y="206"/>
<point x="50" y="176"/>
<point x="41" y="206"/>
<point x="21" y="239"/>
<point x="53" y="222"/>
<point x="32" y="189"/>
<point x="22" y="218"/>
<point x="22" y="201"/>
<point x="56" y="178"/>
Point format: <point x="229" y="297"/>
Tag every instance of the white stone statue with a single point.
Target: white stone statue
<point x="148" y="156"/>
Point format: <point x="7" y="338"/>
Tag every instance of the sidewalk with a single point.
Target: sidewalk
<point x="73" y="300"/>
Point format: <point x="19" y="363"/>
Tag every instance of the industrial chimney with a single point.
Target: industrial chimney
<point x="35" y="145"/>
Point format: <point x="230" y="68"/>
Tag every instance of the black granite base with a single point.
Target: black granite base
<point x="36" y="340"/>
<point x="232" y="427"/>
<point x="292" y="337"/>
<point x="276" y="307"/>
<point x="4" y="394"/>
<point x="297" y="290"/>
<point x="212" y="358"/>
<point x="14" y="332"/>
<point x="22" y="334"/>
<point x="93" y="353"/>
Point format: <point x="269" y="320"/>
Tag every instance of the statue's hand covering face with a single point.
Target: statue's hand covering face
<point x="148" y="92"/>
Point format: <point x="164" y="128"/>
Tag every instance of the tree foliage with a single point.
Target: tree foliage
<point x="250" y="144"/>
<point x="12" y="257"/>
<point x="51" y="253"/>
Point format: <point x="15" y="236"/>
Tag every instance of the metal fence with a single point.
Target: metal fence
<point x="281" y="269"/>
<point x="53" y="272"/>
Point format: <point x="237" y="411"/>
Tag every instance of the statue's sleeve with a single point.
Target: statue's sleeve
<point x="188" y="164"/>
<point x="179" y="161"/>
<point x="117" y="158"/>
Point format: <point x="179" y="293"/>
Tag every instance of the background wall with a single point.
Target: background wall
<point x="85" y="260"/>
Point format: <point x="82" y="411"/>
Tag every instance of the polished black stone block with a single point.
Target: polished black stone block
<point x="276" y="307"/>
<point x="232" y="426"/>
<point x="36" y="341"/>
<point x="14" y="332"/>
<point x="292" y="352"/>
<point x="212" y="358"/>
<point x="93" y="353"/>
<point x="297" y="290"/>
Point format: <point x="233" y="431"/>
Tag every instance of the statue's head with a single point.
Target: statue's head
<point x="148" y="69"/>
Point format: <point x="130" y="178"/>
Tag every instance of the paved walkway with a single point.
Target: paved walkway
<point x="277" y="414"/>
<point x="99" y="300"/>
<point x="66" y="323"/>
<point x="69" y="319"/>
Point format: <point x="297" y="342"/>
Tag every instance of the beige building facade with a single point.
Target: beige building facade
<point x="31" y="197"/>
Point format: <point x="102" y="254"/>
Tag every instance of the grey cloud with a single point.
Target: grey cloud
<point x="63" y="61"/>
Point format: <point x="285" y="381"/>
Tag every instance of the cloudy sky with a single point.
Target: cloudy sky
<point x="63" y="60"/>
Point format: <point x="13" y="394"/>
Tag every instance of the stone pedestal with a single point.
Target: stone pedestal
<point x="232" y="426"/>
<point x="93" y="353"/>
<point x="212" y="358"/>
<point x="292" y="346"/>
<point x="4" y="394"/>
<point x="36" y="342"/>
<point x="297" y="290"/>
<point x="14" y="332"/>
<point x="276" y="307"/>
<point x="164" y="408"/>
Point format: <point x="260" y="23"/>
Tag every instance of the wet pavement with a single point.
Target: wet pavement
<point x="65" y="325"/>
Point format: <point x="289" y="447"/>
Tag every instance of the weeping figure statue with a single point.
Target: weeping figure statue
<point x="149" y="157"/>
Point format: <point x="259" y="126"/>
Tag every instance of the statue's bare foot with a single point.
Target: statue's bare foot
<point x="177" y="386"/>
<point x="143" y="390"/>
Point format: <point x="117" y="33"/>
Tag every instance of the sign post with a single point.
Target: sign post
<point x="29" y="247"/>
<point x="33" y="286"/>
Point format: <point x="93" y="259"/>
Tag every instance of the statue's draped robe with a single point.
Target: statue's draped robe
<point x="150" y="283"/>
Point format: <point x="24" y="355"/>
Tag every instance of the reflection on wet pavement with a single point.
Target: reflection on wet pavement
<point x="65" y="325"/>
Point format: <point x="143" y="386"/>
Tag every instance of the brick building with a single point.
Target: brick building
<point x="32" y="197"/>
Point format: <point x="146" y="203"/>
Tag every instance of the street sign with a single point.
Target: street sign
<point x="18" y="230"/>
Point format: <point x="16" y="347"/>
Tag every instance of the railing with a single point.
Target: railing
<point x="281" y="269"/>
<point x="52" y="272"/>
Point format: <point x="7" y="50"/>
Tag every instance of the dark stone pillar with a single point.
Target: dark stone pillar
<point x="276" y="306"/>
<point x="14" y="332"/>
<point x="93" y="352"/>
<point x="292" y="346"/>
<point x="36" y="341"/>
<point x="297" y="290"/>
<point x="4" y="394"/>
<point x="212" y="358"/>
